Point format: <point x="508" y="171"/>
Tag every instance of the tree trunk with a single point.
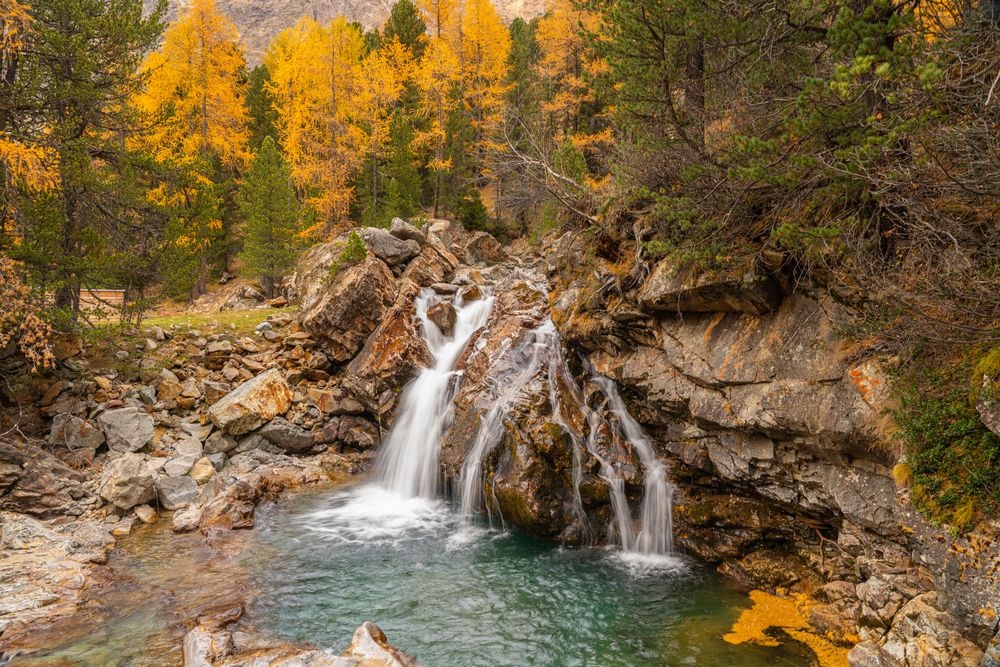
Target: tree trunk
<point x="694" y="90"/>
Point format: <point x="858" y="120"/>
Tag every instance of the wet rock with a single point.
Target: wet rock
<point x="127" y="481"/>
<point x="444" y="316"/>
<point x="252" y="403"/>
<point x="404" y="230"/>
<point x="369" y="643"/>
<point x="287" y="436"/>
<point x="672" y="287"/>
<point x="145" y="513"/>
<point x="346" y="312"/>
<point x="434" y="265"/>
<point x="232" y="509"/>
<point x="75" y="433"/>
<point x="175" y="492"/>
<point x="388" y="248"/>
<point x="126" y="429"/>
<point x="396" y="350"/>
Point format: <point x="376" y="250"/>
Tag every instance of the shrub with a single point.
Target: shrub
<point x="354" y="252"/>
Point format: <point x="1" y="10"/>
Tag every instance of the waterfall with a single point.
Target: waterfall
<point x="657" y="531"/>
<point x="408" y="461"/>
<point x="541" y="350"/>
<point x="527" y="358"/>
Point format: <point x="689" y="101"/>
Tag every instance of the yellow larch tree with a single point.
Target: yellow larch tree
<point x="438" y="76"/>
<point x="440" y="16"/>
<point x="384" y="76"/>
<point x="485" y="52"/>
<point x="195" y="97"/>
<point x="565" y="63"/>
<point x="315" y="82"/>
<point x="195" y="86"/>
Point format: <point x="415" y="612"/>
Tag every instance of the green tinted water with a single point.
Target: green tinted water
<point x="464" y="595"/>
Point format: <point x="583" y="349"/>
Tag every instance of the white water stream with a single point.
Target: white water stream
<point x="408" y="462"/>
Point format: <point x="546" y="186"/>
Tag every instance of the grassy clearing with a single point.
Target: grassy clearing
<point x="240" y="321"/>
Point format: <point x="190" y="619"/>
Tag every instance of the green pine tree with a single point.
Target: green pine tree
<point x="260" y="105"/>
<point x="406" y="25"/>
<point x="267" y="200"/>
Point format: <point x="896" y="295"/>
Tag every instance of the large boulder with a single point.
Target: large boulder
<point x="126" y="429"/>
<point x="396" y="350"/>
<point x="34" y="482"/>
<point x="388" y="248"/>
<point x="346" y="312"/>
<point x="253" y="403"/>
<point x="287" y="435"/>
<point x="127" y="481"/>
<point x="435" y="264"/>
<point x="673" y="287"/>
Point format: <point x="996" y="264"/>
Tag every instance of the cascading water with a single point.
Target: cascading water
<point x="408" y="461"/>
<point x="543" y="346"/>
<point x="657" y="530"/>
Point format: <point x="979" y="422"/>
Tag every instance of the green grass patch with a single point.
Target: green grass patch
<point x="243" y="321"/>
<point x="954" y="460"/>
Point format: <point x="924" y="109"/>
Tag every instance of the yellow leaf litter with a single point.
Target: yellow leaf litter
<point x="788" y="614"/>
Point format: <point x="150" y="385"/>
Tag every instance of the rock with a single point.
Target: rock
<point x="396" y="350"/>
<point x="145" y="513"/>
<point x="126" y="429"/>
<point x="445" y="289"/>
<point x="404" y="230"/>
<point x="481" y="248"/>
<point x="391" y="250"/>
<point x="345" y="314"/>
<point x="175" y="492"/>
<point x="992" y="656"/>
<point x="286" y="435"/>
<point x="471" y="293"/>
<point x="203" y="470"/>
<point x="870" y="654"/>
<point x="121" y="355"/>
<point x="180" y="465"/>
<point x="168" y="385"/>
<point x="922" y="634"/>
<point x="218" y="461"/>
<point x="127" y="481"/>
<point x="434" y="265"/>
<point x="233" y="508"/>
<point x="203" y="648"/>
<point x="256" y="441"/>
<point x="189" y="446"/>
<point x="186" y="520"/>
<point x="219" y="442"/>
<point x="157" y="333"/>
<point x="214" y="391"/>
<point x="672" y="287"/>
<point x="252" y="403"/>
<point x="334" y="402"/>
<point x="369" y="644"/>
<point x="987" y="404"/>
<point x="357" y="432"/>
<point x="219" y="348"/>
<point x="880" y="602"/>
<point x="75" y="433"/>
<point x="444" y="316"/>
<point x="34" y="482"/>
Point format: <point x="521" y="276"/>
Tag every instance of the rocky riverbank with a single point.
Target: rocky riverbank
<point x="773" y="426"/>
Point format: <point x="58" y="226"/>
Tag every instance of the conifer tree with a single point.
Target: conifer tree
<point x="271" y="236"/>
<point x="406" y="25"/>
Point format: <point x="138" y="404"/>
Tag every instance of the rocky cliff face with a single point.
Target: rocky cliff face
<point x="776" y="431"/>
<point x="259" y="21"/>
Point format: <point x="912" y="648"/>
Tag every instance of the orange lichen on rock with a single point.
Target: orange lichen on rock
<point x="788" y="614"/>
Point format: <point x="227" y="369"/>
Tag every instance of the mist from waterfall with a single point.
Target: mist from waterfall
<point x="408" y="460"/>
